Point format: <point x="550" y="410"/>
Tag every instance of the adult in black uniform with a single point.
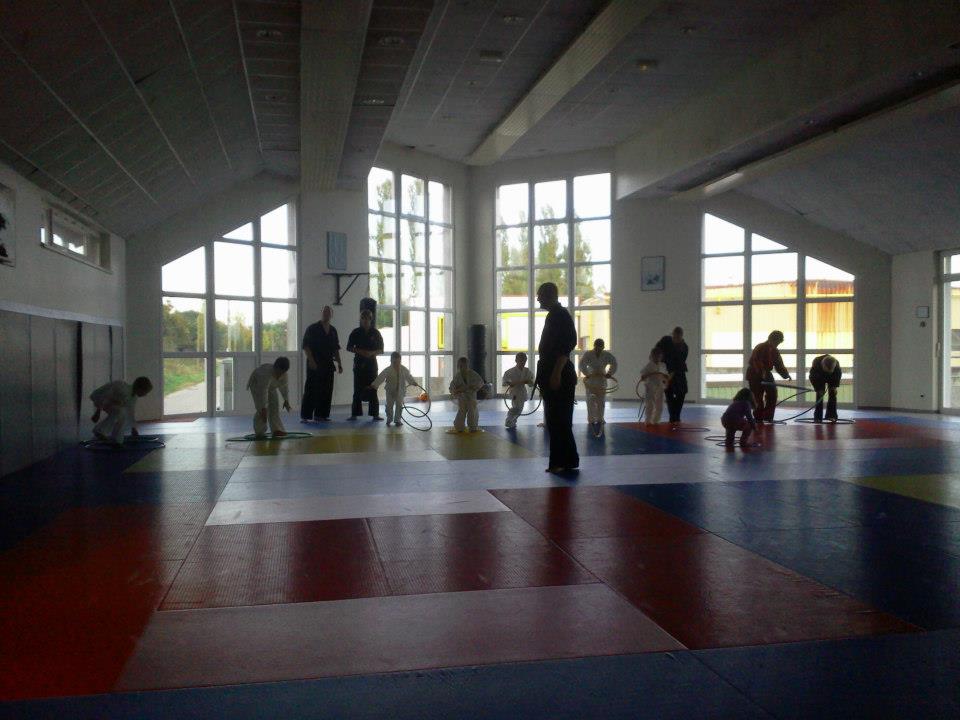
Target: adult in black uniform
<point x="825" y="374"/>
<point x="322" y="347"/>
<point x="365" y="343"/>
<point x="557" y="379"/>
<point x="675" y="357"/>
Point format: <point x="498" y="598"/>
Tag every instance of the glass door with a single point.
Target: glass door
<point x="950" y="334"/>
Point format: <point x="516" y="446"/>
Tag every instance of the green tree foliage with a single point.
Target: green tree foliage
<point x="379" y="275"/>
<point x="550" y="251"/>
<point x="183" y="330"/>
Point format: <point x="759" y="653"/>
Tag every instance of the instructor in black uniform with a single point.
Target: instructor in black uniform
<point x="675" y="352"/>
<point x="321" y="344"/>
<point x="365" y="343"/>
<point x="557" y="379"/>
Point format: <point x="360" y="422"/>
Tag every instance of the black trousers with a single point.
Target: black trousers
<point x="363" y="375"/>
<point x="558" y="419"/>
<point x="317" y="394"/>
<point x="675" y="393"/>
<point x="820" y="388"/>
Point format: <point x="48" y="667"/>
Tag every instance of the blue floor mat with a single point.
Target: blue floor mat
<point x="896" y="676"/>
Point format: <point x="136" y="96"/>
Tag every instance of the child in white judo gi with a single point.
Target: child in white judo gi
<point x="464" y="387"/>
<point x="118" y="400"/>
<point x="655" y="377"/>
<point x="264" y="384"/>
<point x="597" y="366"/>
<point x="515" y="380"/>
<point x="397" y="379"/>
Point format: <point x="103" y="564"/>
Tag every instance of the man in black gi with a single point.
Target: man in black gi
<point x="825" y="374"/>
<point x="365" y="343"/>
<point x="557" y="379"/>
<point x="322" y="347"/>
<point x="675" y="357"/>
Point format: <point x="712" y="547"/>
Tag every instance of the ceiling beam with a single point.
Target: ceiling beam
<point x="138" y="93"/>
<point x="915" y="109"/>
<point x="246" y="77"/>
<point x="604" y="33"/>
<point x="332" y="38"/>
<point x="196" y="76"/>
<point x="76" y="118"/>
<point x="839" y="67"/>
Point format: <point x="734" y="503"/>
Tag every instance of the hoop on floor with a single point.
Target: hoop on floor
<point x="418" y="414"/>
<point x="642" y="399"/>
<point x="289" y="436"/>
<point x="131" y="443"/>
<point x="690" y="429"/>
<point x="835" y="421"/>
<point x="529" y="400"/>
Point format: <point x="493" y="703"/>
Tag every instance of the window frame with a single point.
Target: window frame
<point x="94" y="238"/>
<point x="397" y="308"/>
<point x="571" y="264"/>
<point x="748" y="303"/>
<point x="210" y="296"/>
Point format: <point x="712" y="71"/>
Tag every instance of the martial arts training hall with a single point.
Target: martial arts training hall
<point x="430" y="359"/>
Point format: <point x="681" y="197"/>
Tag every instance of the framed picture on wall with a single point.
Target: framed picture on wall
<point x="336" y="251"/>
<point x="652" y="272"/>
<point x="8" y="238"/>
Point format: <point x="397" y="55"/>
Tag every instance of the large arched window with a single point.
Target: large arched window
<point x="753" y="285"/>
<point x="411" y="271"/>
<point x="228" y="306"/>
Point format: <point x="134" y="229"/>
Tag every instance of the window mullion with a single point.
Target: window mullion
<point x="211" y="325"/>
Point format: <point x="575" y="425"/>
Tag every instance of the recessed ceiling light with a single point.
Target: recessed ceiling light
<point x="491" y="56"/>
<point x="918" y="74"/>
<point x="269" y="35"/>
<point x="390" y="41"/>
<point x="512" y="19"/>
<point x="689" y="29"/>
<point x="810" y="122"/>
<point x="372" y="101"/>
<point x="644" y="64"/>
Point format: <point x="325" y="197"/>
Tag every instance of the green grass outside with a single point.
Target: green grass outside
<point x="180" y="374"/>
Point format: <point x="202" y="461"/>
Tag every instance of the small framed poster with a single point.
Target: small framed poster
<point x="8" y="238"/>
<point x="337" y="251"/>
<point x="923" y="311"/>
<point x="652" y="272"/>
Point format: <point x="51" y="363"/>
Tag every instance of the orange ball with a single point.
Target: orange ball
<point x="424" y="397"/>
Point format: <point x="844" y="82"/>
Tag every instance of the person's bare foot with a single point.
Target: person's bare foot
<point x="279" y="433"/>
<point x="99" y="435"/>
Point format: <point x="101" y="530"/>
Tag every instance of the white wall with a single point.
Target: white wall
<point x="47" y="279"/>
<point x="913" y="355"/>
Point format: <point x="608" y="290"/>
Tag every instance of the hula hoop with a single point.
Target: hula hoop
<point x="418" y="414"/>
<point x="835" y="421"/>
<point x="642" y="399"/>
<point x="721" y="441"/>
<point x="147" y="443"/>
<point x="530" y="399"/>
<point x="613" y="388"/>
<point x="289" y="436"/>
<point x="690" y="429"/>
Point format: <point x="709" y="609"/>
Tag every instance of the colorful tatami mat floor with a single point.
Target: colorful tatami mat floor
<point x="367" y="572"/>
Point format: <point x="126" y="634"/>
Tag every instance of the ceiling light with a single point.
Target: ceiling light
<point x="373" y="101"/>
<point x="269" y="35"/>
<point x="512" y="19"/>
<point x="917" y="74"/>
<point x="644" y="64"/>
<point x="491" y="56"/>
<point x="390" y="41"/>
<point x="689" y="29"/>
<point x="274" y="97"/>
